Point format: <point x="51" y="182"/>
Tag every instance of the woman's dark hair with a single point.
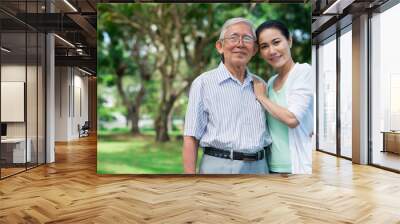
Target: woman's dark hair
<point x="273" y="24"/>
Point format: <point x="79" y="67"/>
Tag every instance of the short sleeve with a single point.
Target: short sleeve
<point x="196" y="117"/>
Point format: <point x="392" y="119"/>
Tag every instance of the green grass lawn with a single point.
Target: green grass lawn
<point x="125" y="154"/>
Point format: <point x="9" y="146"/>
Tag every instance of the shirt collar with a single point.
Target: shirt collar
<point x="224" y="74"/>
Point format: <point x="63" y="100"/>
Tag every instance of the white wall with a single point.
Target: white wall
<point x="61" y="103"/>
<point x="33" y="126"/>
<point x="12" y="101"/>
<point x="13" y="73"/>
<point x="10" y="73"/>
<point x="71" y="94"/>
<point x="80" y="110"/>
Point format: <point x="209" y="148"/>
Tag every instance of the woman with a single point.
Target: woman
<point x="289" y="99"/>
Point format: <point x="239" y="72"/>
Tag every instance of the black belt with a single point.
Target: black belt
<point x="236" y="155"/>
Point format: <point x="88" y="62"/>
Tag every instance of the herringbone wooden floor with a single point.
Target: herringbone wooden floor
<point x="70" y="191"/>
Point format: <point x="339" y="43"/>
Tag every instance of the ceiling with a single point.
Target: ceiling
<point x="330" y="15"/>
<point x="74" y="22"/>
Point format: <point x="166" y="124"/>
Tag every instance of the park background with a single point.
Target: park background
<point x="148" y="55"/>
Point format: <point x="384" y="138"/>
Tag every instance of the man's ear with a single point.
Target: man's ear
<point x="218" y="46"/>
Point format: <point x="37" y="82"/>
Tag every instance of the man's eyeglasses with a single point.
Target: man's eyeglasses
<point x="234" y="39"/>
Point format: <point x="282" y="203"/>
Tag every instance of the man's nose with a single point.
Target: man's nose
<point x="240" y="43"/>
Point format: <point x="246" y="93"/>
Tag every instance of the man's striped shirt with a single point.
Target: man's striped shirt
<point x="224" y="113"/>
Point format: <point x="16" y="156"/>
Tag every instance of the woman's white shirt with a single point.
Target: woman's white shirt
<point x="300" y="90"/>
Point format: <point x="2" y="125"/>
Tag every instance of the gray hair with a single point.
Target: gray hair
<point x="234" y="21"/>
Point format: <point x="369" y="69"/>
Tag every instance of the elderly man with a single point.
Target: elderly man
<point x="223" y="115"/>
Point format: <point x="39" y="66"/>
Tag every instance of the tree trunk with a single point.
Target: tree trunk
<point x="135" y="110"/>
<point x="128" y="118"/>
<point x="162" y="121"/>
<point x="170" y="120"/>
<point x="162" y="128"/>
<point x="134" y="122"/>
<point x="132" y="105"/>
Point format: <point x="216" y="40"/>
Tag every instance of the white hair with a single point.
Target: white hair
<point x="234" y="21"/>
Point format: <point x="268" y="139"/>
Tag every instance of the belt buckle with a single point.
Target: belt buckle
<point x="248" y="159"/>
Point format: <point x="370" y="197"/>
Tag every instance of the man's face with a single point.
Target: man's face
<point x="238" y="45"/>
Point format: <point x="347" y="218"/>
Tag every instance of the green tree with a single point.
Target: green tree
<point x="182" y="44"/>
<point x="120" y="55"/>
<point x="164" y="47"/>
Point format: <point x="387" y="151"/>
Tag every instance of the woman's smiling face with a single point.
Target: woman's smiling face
<point x="274" y="47"/>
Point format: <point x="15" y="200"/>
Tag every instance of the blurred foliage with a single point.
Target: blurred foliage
<point x="121" y="26"/>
